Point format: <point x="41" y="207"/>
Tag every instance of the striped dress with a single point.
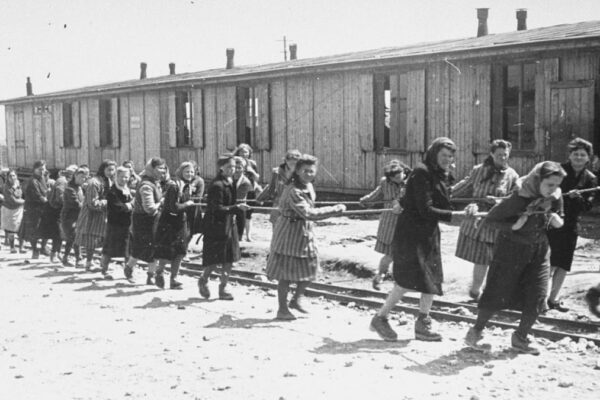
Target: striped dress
<point x="386" y="191"/>
<point x="294" y="255"/>
<point x="476" y="241"/>
<point x="91" y="222"/>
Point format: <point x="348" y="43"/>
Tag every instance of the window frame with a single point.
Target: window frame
<point x="107" y="131"/>
<point x="184" y="119"/>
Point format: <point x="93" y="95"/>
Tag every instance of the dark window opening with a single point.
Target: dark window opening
<point x="68" y="131"/>
<point x="183" y="118"/>
<point x="247" y="115"/>
<point x="390" y="110"/>
<point x="109" y="121"/>
<point x="19" y="129"/>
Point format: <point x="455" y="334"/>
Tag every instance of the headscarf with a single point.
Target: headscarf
<point x="149" y="169"/>
<point x="430" y="158"/>
<point x="529" y="185"/>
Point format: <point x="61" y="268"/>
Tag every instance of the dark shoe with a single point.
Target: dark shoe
<point x="107" y="276"/>
<point x="382" y="327"/>
<point x="522" y="345"/>
<point x="473" y="337"/>
<point x="285" y="315"/>
<point x="424" y="332"/>
<point x="203" y="287"/>
<point x="66" y="263"/>
<point x="175" y="285"/>
<point x="149" y="279"/>
<point x="296" y="304"/>
<point x="558" y="306"/>
<point x="53" y="257"/>
<point x="35" y="255"/>
<point x="160" y="281"/>
<point x="377" y="279"/>
<point x="474" y="295"/>
<point x="128" y="272"/>
<point x="13" y="251"/>
<point x="224" y="294"/>
<point x="45" y="252"/>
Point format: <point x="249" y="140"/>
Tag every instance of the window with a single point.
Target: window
<point x="183" y="118"/>
<point x="109" y="122"/>
<point x="19" y="129"/>
<point x="247" y="115"/>
<point x="390" y="110"/>
<point x="68" y="131"/>
<point x="513" y="104"/>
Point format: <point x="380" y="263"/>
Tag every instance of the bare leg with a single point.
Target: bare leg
<point x="479" y="273"/>
<point x="394" y="296"/>
<point x="384" y="265"/>
<point x="283" y="313"/>
<point x="296" y="302"/>
<point x="248" y="226"/>
<point x="558" y="278"/>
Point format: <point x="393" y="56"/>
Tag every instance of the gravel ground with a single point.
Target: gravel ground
<point x="65" y="334"/>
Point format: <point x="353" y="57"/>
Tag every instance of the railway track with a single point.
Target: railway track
<point x="553" y="329"/>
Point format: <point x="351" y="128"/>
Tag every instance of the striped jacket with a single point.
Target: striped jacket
<point x="474" y="185"/>
<point x="274" y="190"/>
<point x="293" y="231"/>
<point x="92" y="217"/>
<point x="387" y="191"/>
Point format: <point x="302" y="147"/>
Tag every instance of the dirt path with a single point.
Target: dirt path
<point x="66" y="335"/>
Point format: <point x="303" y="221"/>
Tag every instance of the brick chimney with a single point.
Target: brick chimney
<point x="143" y="67"/>
<point x="171" y="68"/>
<point x="522" y="19"/>
<point x="229" y="52"/>
<point x="293" y="51"/>
<point x="482" y="16"/>
<point x="28" y="87"/>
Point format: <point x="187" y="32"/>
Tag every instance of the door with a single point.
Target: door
<point x="571" y="116"/>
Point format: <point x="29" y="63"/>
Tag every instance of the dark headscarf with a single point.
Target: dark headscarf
<point x="430" y="158"/>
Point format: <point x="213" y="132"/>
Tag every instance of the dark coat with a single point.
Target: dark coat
<point x="221" y="241"/>
<point x="72" y="202"/>
<point x="35" y="197"/>
<point x="173" y="232"/>
<point x="119" y="209"/>
<point x="416" y="244"/>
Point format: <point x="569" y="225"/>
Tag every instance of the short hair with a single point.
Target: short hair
<point x="293" y="154"/>
<point x="393" y="168"/>
<point x="127" y="162"/>
<point x="579" y="143"/>
<point x="551" y="168"/>
<point x="240" y="160"/>
<point x="500" y="144"/>
<point x="241" y="147"/>
<point x="306" y="159"/>
<point x="224" y="159"/>
<point x="105" y="164"/>
<point x="39" y="164"/>
<point x="121" y="169"/>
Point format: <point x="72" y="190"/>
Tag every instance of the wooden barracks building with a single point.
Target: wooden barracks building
<point x="536" y="88"/>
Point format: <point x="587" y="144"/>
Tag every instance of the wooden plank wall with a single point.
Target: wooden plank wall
<point x="11" y="154"/>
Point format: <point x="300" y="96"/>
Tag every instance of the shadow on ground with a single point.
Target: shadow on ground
<point x="157" y="302"/>
<point x="331" y="346"/>
<point x="227" y="321"/>
<point x="455" y="362"/>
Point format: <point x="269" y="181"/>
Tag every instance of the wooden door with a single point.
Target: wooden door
<point x="571" y="116"/>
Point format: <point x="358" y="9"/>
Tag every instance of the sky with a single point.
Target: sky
<point x="66" y="44"/>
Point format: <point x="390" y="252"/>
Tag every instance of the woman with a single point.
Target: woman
<point x="221" y="243"/>
<point x="416" y="244"/>
<point x="251" y="172"/>
<point x="173" y="233"/>
<point x="35" y="196"/>
<point x="91" y="223"/>
<point x="72" y="202"/>
<point x="492" y="178"/>
<point x="293" y="256"/>
<point x="197" y="193"/>
<point x="12" y="209"/>
<point x="118" y="219"/>
<point x="243" y="186"/>
<point x="390" y="191"/>
<point x="146" y="206"/>
<point x="279" y="179"/>
<point x="564" y="240"/>
<point x="518" y="275"/>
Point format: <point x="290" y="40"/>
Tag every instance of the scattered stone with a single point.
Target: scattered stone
<point x="488" y="366"/>
<point x="289" y="375"/>
<point x="205" y="338"/>
<point x="565" y="384"/>
<point x="387" y="367"/>
<point x="487" y="373"/>
<point x="181" y="307"/>
<point x="45" y="295"/>
<point x="461" y="311"/>
<point x="474" y="397"/>
<point x="222" y="388"/>
<point x="348" y="364"/>
<point x="317" y="360"/>
<point x="542" y="366"/>
<point x="19" y="376"/>
<point x="132" y="332"/>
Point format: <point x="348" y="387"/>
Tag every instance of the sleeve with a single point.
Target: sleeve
<point x="115" y="204"/>
<point x="149" y="206"/>
<point x="252" y="170"/>
<point x="504" y="214"/>
<point x="171" y="203"/>
<point x="464" y="188"/>
<point x="375" y="195"/>
<point x="305" y="210"/>
<point x="35" y="193"/>
<point x="424" y="200"/>
<point x="216" y="201"/>
<point x="70" y="200"/>
<point x="199" y="187"/>
<point x="269" y="193"/>
<point x="587" y="201"/>
<point x="92" y="196"/>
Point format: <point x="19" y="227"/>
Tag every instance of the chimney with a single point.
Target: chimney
<point x="28" y="87"/>
<point x="482" y="16"/>
<point x="522" y="19"/>
<point x="293" y="51"/>
<point x="229" y="53"/>
<point x="171" y="68"/>
<point x="143" y="70"/>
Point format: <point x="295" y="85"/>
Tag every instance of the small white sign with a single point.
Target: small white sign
<point x="135" y="123"/>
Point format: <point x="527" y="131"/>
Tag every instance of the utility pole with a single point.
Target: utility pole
<point x="284" y="47"/>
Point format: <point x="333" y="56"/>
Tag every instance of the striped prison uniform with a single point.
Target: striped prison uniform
<point x="91" y="222"/>
<point x="475" y="243"/>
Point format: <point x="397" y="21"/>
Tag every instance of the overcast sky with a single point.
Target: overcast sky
<point x="64" y="44"/>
